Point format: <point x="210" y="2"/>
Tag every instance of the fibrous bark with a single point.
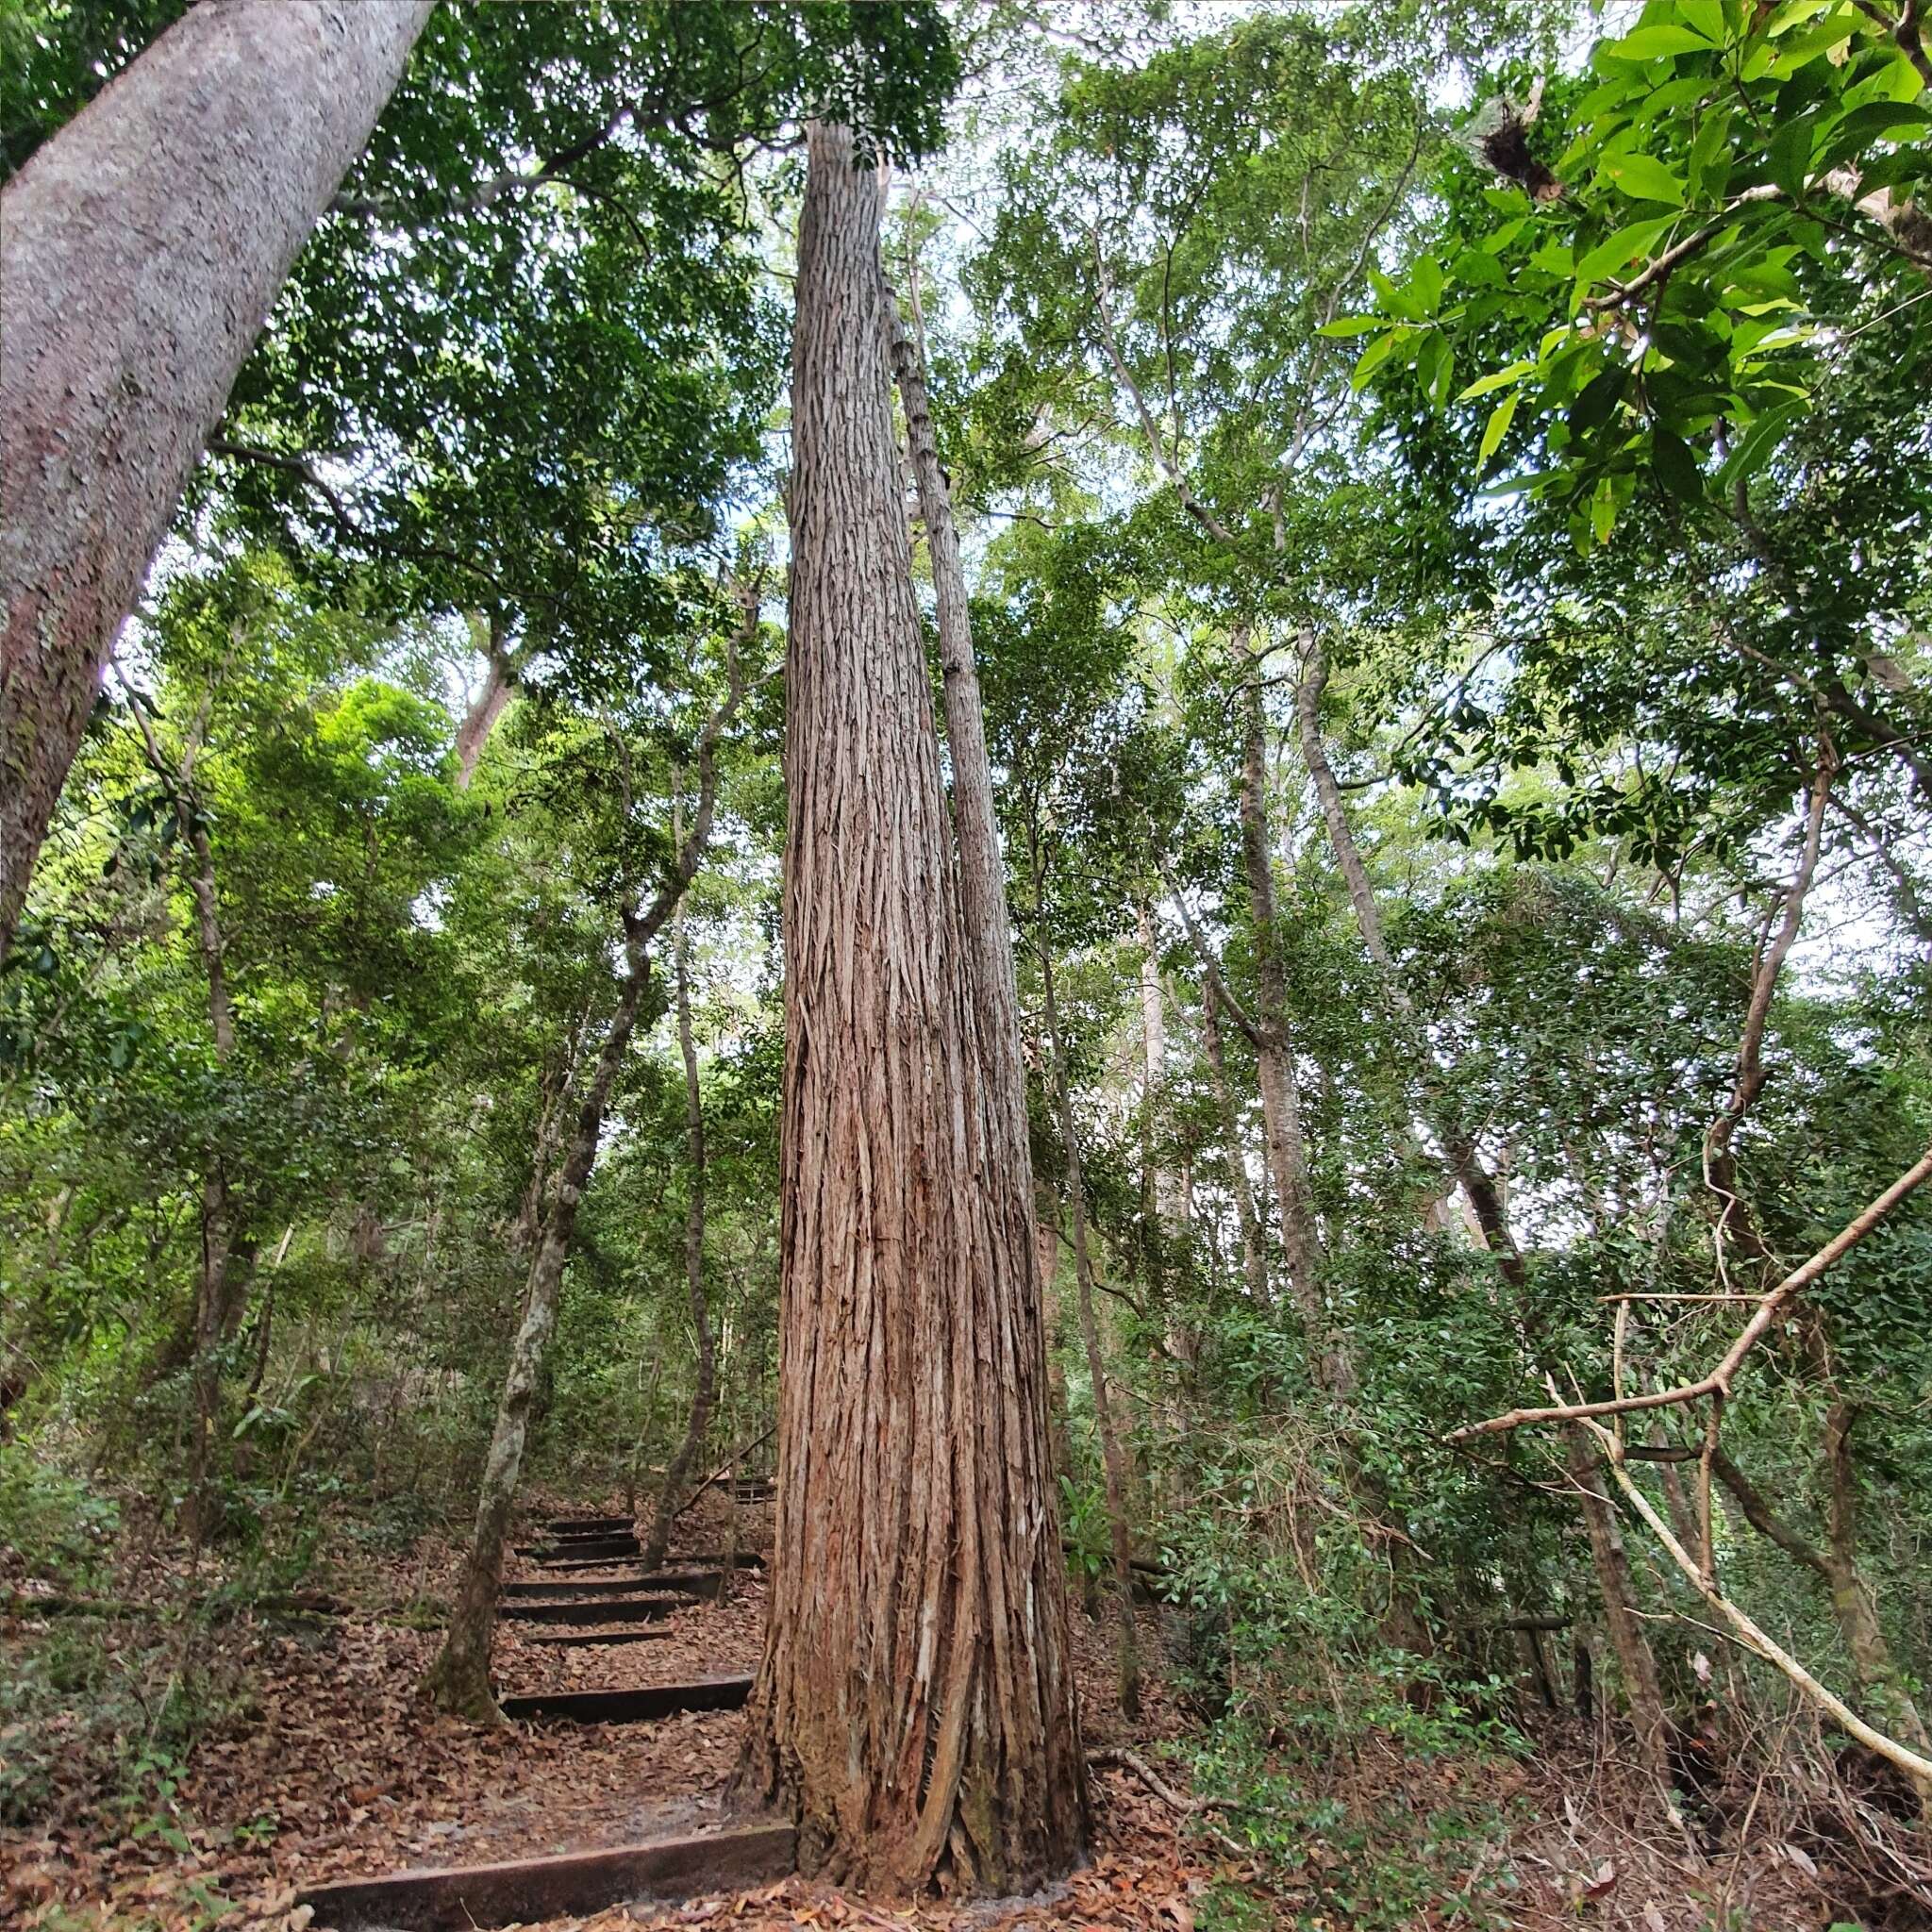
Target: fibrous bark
<point x="140" y="251"/>
<point x="914" y="1706"/>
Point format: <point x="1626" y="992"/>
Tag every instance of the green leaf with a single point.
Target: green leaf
<point x="1374" y="357"/>
<point x="1394" y="301"/>
<point x="1676" y="466"/>
<point x="1495" y="379"/>
<point x="1497" y="428"/>
<point x="1653" y="43"/>
<point x="1754" y="448"/>
<point x="1624" y="245"/>
<point x="1425" y="283"/>
<point x="1603" y="511"/>
<point x="1705" y="17"/>
<point x="1643" y="177"/>
<point x="1598" y="401"/>
<point x="1346" y="326"/>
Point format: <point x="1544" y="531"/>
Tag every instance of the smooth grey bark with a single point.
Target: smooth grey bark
<point x="141" y="249"/>
<point x="678" y="1473"/>
<point x="491" y="702"/>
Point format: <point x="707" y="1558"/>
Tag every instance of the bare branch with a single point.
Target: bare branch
<point x="1770" y="1307"/>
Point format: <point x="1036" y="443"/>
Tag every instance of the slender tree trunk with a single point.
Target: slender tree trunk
<point x="1609" y="1557"/>
<point x="1113" y="1462"/>
<point x="1047" y="1249"/>
<point x="1254" y="1255"/>
<point x="1301" y="1242"/>
<point x="678" y="1473"/>
<point x="1635" y="1661"/>
<point x="459" y="1678"/>
<point x="914" y="1706"/>
<point x="141" y="249"/>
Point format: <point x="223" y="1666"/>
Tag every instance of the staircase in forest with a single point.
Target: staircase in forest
<point x="609" y="1609"/>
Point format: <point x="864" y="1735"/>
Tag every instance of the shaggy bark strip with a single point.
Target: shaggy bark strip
<point x="140" y="250"/>
<point x="914" y="1706"/>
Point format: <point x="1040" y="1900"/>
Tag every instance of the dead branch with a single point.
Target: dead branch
<point x="1771" y="1307"/>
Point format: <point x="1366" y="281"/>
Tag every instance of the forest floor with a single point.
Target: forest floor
<point x="325" y="1765"/>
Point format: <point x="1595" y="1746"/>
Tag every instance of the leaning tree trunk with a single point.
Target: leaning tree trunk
<point x="1609" y="1560"/>
<point x="459" y="1678"/>
<point x="1330" y="1362"/>
<point x="914" y="1706"/>
<point x="679" y="1473"/>
<point x="140" y="251"/>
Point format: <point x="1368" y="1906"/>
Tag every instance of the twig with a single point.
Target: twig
<point x="1117" y="1757"/>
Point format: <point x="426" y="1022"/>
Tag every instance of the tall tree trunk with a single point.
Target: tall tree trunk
<point x="1113" y="1461"/>
<point x="679" y="1471"/>
<point x="1609" y="1557"/>
<point x="914" y="1706"/>
<point x="141" y="249"/>
<point x="1332" y="1365"/>
<point x="1254" y="1255"/>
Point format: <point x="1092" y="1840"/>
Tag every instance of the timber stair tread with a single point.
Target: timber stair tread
<point x="587" y="1525"/>
<point x="745" y="1560"/>
<point x="571" y="1884"/>
<point x="577" y="1551"/>
<point x="630" y="1610"/>
<point x="641" y="1703"/>
<point x="657" y="1582"/>
<point x="586" y="1639"/>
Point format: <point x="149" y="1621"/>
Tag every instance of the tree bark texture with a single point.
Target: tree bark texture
<point x="914" y="1706"/>
<point x="141" y="249"/>
<point x="680" y="1471"/>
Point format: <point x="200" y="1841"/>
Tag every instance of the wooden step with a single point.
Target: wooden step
<point x="587" y="1525"/>
<point x="639" y="1706"/>
<point x="743" y="1559"/>
<point x="582" y="1640"/>
<point x="621" y="1609"/>
<point x="688" y="1582"/>
<point x="608" y="1546"/>
<point x="571" y="1885"/>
